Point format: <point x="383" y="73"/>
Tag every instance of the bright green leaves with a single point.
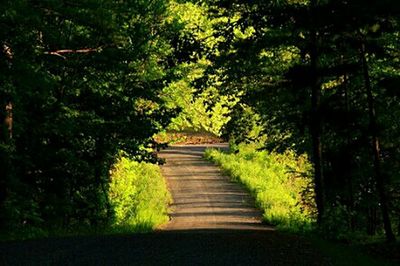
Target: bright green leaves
<point x="139" y="196"/>
<point x="207" y="110"/>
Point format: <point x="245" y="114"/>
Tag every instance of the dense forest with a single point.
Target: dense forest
<point x="81" y="81"/>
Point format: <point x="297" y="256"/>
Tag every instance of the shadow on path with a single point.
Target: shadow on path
<point x="179" y="247"/>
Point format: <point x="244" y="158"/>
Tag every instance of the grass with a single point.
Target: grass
<point x="139" y="196"/>
<point x="280" y="183"/>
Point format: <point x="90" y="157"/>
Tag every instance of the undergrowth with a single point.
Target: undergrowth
<point x="280" y="183"/>
<point x="139" y="202"/>
<point x="139" y="196"/>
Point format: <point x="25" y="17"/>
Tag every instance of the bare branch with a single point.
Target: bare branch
<point x="72" y="51"/>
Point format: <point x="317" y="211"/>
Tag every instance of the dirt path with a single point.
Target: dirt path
<point x="203" y="197"/>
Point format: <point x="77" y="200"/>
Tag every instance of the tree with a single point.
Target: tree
<point x="83" y="81"/>
<point x="302" y="73"/>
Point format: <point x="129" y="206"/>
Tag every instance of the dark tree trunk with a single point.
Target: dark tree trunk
<point x="6" y="123"/>
<point x="9" y="120"/>
<point x="3" y="160"/>
<point x="398" y="227"/>
<point x="380" y="186"/>
<point x="5" y="137"/>
<point x="3" y="115"/>
<point x="101" y="176"/>
<point x="349" y="177"/>
<point x="371" y="221"/>
<point x="315" y="123"/>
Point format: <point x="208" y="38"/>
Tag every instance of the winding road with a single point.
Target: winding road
<point x="213" y="222"/>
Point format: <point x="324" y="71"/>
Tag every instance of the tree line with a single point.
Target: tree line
<point x="79" y="81"/>
<point x="324" y="76"/>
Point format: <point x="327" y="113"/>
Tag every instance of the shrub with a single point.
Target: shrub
<point x="139" y="196"/>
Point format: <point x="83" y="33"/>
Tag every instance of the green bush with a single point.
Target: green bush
<point x="280" y="183"/>
<point x="139" y="196"/>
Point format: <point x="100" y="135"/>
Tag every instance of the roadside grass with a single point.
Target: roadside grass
<point x="280" y="183"/>
<point x="139" y="196"/>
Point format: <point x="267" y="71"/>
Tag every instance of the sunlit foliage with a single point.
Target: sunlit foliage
<point x="139" y="196"/>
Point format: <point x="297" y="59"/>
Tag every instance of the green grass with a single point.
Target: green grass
<point x="280" y="184"/>
<point x="139" y="196"/>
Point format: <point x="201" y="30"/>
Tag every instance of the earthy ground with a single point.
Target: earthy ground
<point x="212" y="223"/>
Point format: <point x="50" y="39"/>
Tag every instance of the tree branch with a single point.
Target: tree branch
<point x="72" y="51"/>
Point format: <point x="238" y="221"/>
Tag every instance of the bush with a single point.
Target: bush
<point x="139" y="196"/>
<point x="279" y="182"/>
<point x="245" y="125"/>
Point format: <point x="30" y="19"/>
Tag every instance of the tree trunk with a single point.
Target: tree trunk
<point x="349" y="156"/>
<point x="380" y="186"/>
<point x="398" y="227"/>
<point x="5" y="136"/>
<point x="315" y="123"/>
<point x="100" y="176"/>
<point x="6" y="123"/>
<point x="371" y="221"/>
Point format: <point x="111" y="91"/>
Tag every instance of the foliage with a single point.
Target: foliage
<point x="208" y="112"/>
<point x="203" y="107"/>
<point x="245" y="126"/>
<point x="138" y="195"/>
<point x="79" y="81"/>
<point x="277" y="181"/>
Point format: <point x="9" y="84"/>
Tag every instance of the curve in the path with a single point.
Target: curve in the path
<point x="204" y="198"/>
